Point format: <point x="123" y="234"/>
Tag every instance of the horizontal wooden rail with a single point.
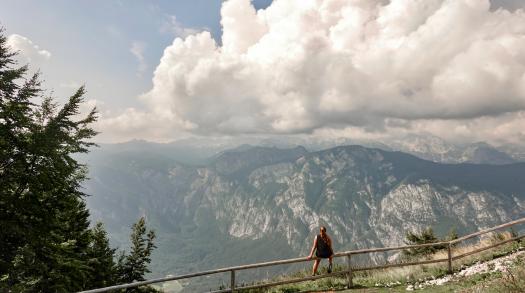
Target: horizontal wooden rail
<point x="200" y="274"/>
<point x="347" y="272"/>
<point x="384" y="249"/>
<point x="502" y="226"/>
<point x="487" y="247"/>
<point x="401" y="264"/>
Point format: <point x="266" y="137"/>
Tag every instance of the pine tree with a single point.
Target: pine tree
<point x="101" y="259"/>
<point x="134" y="266"/>
<point x="424" y="237"/>
<point x="46" y="244"/>
<point x="44" y="223"/>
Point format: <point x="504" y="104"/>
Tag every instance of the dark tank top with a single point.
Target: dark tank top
<point x="323" y="249"/>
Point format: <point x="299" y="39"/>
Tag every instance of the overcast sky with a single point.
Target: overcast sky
<point x="162" y="70"/>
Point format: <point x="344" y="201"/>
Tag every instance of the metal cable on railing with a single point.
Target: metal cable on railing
<point x="349" y="269"/>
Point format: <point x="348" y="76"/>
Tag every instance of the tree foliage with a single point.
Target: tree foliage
<point x="46" y="244"/>
<point x="101" y="259"/>
<point x="424" y="237"/>
<point x="45" y="227"/>
<point x="133" y="267"/>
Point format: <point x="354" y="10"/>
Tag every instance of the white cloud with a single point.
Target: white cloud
<point x="29" y="51"/>
<point x="173" y="26"/>
<point x="86" y="107"/>
<point x="137" y="49"/>
<point x="314" y="65"/>
<point x="134" y="123"/>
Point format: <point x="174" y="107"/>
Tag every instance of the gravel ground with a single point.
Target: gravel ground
<point x="501" y="264"/>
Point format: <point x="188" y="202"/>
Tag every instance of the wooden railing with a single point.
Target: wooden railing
<point x="350" y="269"/>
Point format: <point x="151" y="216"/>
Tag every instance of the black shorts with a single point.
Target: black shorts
<point x="323" y="254"/>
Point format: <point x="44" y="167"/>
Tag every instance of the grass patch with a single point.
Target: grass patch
<point x="397" y="279"/>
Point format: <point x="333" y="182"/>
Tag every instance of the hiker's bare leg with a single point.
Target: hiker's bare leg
<point x="330" y="259"/>
<point x="316" y="264"/>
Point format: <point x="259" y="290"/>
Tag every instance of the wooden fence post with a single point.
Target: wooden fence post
<point x="449" y="258"/>
<point x="350" y="273"/>
<point x="232" y="281"/>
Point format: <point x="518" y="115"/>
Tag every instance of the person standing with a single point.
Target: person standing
<point x="323" y="249"/>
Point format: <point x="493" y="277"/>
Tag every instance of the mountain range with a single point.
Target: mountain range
<point x="195" y="151"/>
<point x="258" y="203"/>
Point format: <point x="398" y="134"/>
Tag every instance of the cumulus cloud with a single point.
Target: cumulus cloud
<point x="369" y="66"/>
<point x="29" y="51"/>
<point x="172" y="25"/>
<point x="134" y="123"/>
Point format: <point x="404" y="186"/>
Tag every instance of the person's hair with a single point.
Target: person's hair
<point x="324" y="235"/>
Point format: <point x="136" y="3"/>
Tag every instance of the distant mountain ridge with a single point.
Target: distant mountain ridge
<point x="199" y="151"/>
<point x="259" y="203"/>
<point x="436" y="149"/>
<point x="249" y="158"/>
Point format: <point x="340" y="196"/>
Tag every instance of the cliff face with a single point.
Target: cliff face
<point x="255" y="204"/>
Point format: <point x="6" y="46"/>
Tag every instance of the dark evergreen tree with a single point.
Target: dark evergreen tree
<point x="45" y="241"/>
<point x="134" y="266"/>
<point x="101" y="259"/>
<point x="44" y="223"/>
<point x="424" y="237"/>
